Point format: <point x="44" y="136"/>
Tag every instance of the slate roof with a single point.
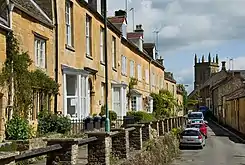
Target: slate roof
<point x="215" y="79"/>
<point x="148" y="45"/>
<point x="236" y="94"/>
<point x="32" y="10"/>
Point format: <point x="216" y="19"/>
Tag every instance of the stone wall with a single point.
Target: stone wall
<point x="157" y="151"/>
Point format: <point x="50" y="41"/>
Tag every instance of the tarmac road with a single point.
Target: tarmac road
<point x="222" y="148"/>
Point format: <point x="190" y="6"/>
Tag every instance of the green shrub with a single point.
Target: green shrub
<point x="112" y="114"/>
<point x="53" y="123"/>
<point x="18" y="129"/>
<point x="141" y="116"/>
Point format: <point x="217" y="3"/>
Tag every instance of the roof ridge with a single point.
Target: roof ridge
<point x="41" y="11"/>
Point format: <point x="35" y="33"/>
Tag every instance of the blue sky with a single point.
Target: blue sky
<point x="187" y="27"/>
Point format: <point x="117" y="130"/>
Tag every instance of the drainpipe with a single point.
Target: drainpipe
<point x="150" y="74"/>
<point x="11" y="101"/>
<point x="56" y="54"/>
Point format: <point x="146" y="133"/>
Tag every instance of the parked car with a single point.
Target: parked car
<point x="192" y="137"/>
<point x="202" y="127"/>
<point x="196" y="117"/>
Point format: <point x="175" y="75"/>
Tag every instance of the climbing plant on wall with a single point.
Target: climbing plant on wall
<point x="16" y="69"/>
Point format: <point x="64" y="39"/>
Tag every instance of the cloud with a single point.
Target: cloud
<point x="186" y="24"/>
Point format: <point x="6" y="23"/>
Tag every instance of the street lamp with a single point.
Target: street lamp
<point x="107" y="121"/>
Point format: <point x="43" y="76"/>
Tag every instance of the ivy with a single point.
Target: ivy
<point x="17" y="68"/>
<point x="163" y="104"/>
<point x="132" y="83"/>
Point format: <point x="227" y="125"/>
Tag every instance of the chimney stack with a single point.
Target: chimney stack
<point x="120" y="13"/>
<point x="223" y="65"/>
<point x="139" y="28"/>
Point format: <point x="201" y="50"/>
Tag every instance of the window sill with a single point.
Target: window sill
<point x="114" y="69"/>
<point x="89" y="57"/>
<point x="41" y="68"/>
<point x="102" y="63"/>
<point x="123" y="74"/>
<point x="71" y="48"/>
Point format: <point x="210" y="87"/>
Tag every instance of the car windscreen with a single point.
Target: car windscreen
<point x="195" y="116"/>
<point x="194" y="126"/>
<point x="190" y="133"/>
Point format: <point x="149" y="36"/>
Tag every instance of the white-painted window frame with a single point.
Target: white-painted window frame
<point x="40" y="52"/>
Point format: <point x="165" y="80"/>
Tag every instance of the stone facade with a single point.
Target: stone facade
<point x="120" y="144"/>
<point x="26" y="27"/>
<point x="72" y="57"/>
<point x="100" y="149"/>
<point x="233" y="83"/>
<point x="135" y="137"/>
<point x="67" y="155"/>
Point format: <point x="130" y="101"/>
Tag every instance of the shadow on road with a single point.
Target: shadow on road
<point x="218" y="131"/>
<point x="189" y="148"/>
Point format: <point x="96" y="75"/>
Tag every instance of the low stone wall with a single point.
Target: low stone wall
<point x="103" y="147"/>
<point x="157" y="151"/>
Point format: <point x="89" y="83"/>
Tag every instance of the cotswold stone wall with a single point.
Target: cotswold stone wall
<point x="157" y="151"/>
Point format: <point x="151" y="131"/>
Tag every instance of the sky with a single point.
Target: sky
<point x="187" y="27"/>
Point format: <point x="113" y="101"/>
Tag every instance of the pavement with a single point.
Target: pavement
<point x="222" y="148"/>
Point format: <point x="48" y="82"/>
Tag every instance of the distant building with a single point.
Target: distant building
<point x="204" y="69"/>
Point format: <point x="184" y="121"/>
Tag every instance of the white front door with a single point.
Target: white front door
<point x="116" y="101"/>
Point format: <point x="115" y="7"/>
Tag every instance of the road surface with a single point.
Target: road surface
<point x="222" y="148"/>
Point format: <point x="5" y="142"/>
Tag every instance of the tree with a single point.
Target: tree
<point x="163" y="104"/>
<point x="184" y="94"/>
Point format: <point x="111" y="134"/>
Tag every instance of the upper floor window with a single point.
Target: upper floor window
<point x="124" y="65"/>
<point x="68" y="18"/>
<point x="102" y="45"/>
<point x="40" y="51"/>
<point x="114" y="56"/>
<point x="153" y="79"/>
<point x="147" y="76"/>
<point x="173" y="89"/>
<point x="139" y="72"/>
<point x="131" y="68"/>
<point x="88" y="35"/>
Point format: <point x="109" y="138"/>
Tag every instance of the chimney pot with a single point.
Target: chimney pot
<point x="223" y="65"/>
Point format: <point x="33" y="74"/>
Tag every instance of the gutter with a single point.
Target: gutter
<point x="56" y="69"/>
<point x="5" y="28"/>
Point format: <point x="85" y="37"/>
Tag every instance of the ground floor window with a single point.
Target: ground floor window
<point x="119" y="99"/>
<point x="76" y="95"/>
<point x="133" y="103"/>
<point x="136" y="103"/>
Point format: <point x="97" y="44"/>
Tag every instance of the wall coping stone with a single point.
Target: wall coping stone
<point x="135" y="125"/>
<point x="63" y="139"/>
<point x="145" y="122"/>
<point x="103" y="133"/>
<point x="8" y="155"/>
<point x="3" y="144"/>
<point x="130" y="129"/>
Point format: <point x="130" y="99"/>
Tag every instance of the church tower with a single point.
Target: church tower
<point x="204" y="69"/>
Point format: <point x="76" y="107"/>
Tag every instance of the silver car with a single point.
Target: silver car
<point x="192" y="137"/>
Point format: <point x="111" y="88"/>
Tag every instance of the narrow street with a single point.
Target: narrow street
<point x="221" y="148"/>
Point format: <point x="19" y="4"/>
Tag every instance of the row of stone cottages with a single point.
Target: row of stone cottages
<point x="65" y="39"/>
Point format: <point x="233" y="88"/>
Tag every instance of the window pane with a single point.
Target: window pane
<point x="71" y="85"/>
<point x="72" y="106"/>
